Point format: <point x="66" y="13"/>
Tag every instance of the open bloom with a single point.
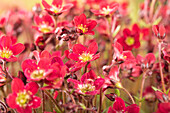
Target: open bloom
<point x="130" y="38"/>
<point x="106" y="9"/>
<point x="119" y="107"/>
<point x="84" y="25"/>
<point x="83" y="54"/>
<point x="36" y="71"/>
<point x="121" y="56"/>
<point x="9" y="50"/>
<point x="88" y="85"/>
<point x="45" y="23"/>
<point x="22" y="97"/>
<point x="56" y="8"/>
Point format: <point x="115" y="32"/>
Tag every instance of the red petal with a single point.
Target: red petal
<point x="17" y="85"/>
<point x="119" y="104"/>
<point x="91" y="25"/>
<point x="33" y="87"/>
<point x="98" y="83"/>
<point x="132" y="109"/>
<point x="126" y="32"/>
<point x="150" y="58"/>
<point x="79" y="49"/>
<point x="36" y="102"/>
<point x="44" y="63"/>
<point x="162" y="30"/>
<point x="17" y="48"/>
<point x="78" y="20"/>
<point x="93" y="47"/>
<point x="155" y="29"/>
<point x="55" y="94"/>
<point x="36" y="55"/>
<point x="5" y="41"/>
<point x="45" y="4"/>
<point x="67" y="7"/>
<point x="11" y="100"/>
<point x="57" y="3"/>
<point x="111" y="110"/>
<point x="29" y="64"/>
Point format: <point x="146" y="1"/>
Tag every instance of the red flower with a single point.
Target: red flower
<point x="159" y="31"/>
<point x="130" y="39"/>
<point x="163" y="107"/>
<point x="9" y="50"/>
<point x="36" y="71"/>
<point x="147" y="62"/>
<point x="22" y="97"/>
<point x="56" y="8"/>
<point x="83" y="54"/>
<point x="112" y="78"/>
<point x="119" y="107"/>
<point x="84" y="25"/>
<point x="45" y="24"/>
<point x="106" y="9"/>
<point x="121" y="56"/>
<point x="89" y="84"/>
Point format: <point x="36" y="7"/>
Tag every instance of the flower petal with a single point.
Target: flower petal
<point x="17" y="85"/>
<point x="32" y="87"/>
<point x="17" y="48"/>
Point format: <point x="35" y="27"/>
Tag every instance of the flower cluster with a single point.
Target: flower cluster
<point x="86" y="56"/>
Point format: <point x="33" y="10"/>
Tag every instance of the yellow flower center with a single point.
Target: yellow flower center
<point x="56" y="9"/>
<point x="83" y="28"/>
<point x="23" y="99"/>
<point x="130" y="41"/>
<point x="85" y="57"/>
<point x="86" y="87"/>
<point x="106" y="10"/>
<point x="37" y="74"/>
<point x="5" y="53"/>
<point x="45" y="27"/>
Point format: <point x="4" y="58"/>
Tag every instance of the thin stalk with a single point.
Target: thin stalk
<point x="85" y="69"/>
<point x="160" y="67"/>
<point x="100" y="104"/>
<point x="141" y="89"/>
<point x="152" y="9"/>
<point x="54" y="101"/>
<point x="129" y="95"/>
<point x="43" y="101"/>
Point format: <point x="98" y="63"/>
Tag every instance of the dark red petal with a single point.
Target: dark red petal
<point x="17" y="85"/>
<point x="58" y="60"/>
<point x="17" y="48"/>
<point x="79" y="49"/>
<point x="55" y="94"/>
<point x="132" y="109"/>
<point x="57" y="3"/>
<point x="119" y="104"/>
<point x="11" y="100"/>
<point x="93" y="47"/>
<point x="74" y="56"/>
<point x="91" y="25"/>
<point x="45" y="4"/>
<point x="5" y="41"/>
<point x="98" y="83"/>
<point x="32" y="87"/>
<point x="126" y="32"/>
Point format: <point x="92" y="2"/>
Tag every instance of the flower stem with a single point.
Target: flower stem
<point x="54" y="101"/>
<point x="129" y="95"/>
<point x="160" y="67"/>
<point x="100" y="104"/>
<point x="43" y="101"/>
<point x="141" y="89"/>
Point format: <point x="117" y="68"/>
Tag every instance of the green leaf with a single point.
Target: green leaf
<point x="167" y="91"/>
<point x="157" y="21"/>
<point x="156" y="89"/>
<point x="117" y="92"/>
<point x="82" y="105"/>
<point x="116" y="31"/>
<point x="136" y="98"/>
